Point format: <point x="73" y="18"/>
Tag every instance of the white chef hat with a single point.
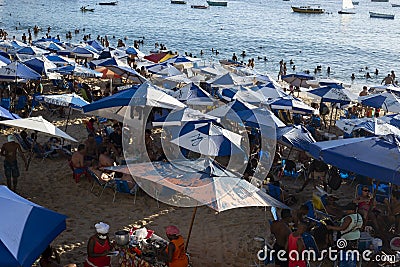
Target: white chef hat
<point x="102" y="228"/>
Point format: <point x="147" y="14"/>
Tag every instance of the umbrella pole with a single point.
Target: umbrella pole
<point x="330" y="121"/>
<point x="335" y="116"/>
<point x="69" y="114"/>
<point x="190" y="228"/>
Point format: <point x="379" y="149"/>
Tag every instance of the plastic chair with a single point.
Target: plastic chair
<point x="6" y="103"/>
<point x="289" y="169"/>
<point x="77" y="173"/>
<point x="121" y="186"/>
<point x="382" y="191"/>
<point x="275" y="192"/>
<point x="21" y="103"/>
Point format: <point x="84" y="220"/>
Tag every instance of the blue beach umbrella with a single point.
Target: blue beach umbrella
<point x="32" y="50"/>
<point x="26" y="229"/>
<point x="77" y="70"/>
<point x="290" y="103"/>
<point x="375" y="157"/>
<point x="127" y="72"/>
<point x="269" y="90"/>
<point x="82" y="52"/>
<point x="103" y="62"/>
<point x="17" y="70"/>
<point x="183" y="116"/>
<point x="393" y="119"/>
<point x="231" y="108"/>
<point x="295" y="136"/>
<point x="192" y="94"/>
<point x="4" y="61"/>
<point x="334" y="94"/>
<point x="96" y="45"/>
<point x="259" y="116"/>
<point x="387" y="100"/>
<point x="40" y="65"/>
<point x="209" y="139"/>
<point x="6" y="114"/>
<point x="66" y="100"/>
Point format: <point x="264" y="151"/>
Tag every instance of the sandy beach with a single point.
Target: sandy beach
<point x="224" y="239"/>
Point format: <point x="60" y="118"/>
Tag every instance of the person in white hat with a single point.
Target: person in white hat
<point x="98" y="247"/>
<point x="9" y="151"/>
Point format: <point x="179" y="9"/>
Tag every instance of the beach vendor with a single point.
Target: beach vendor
<point x="98" y="247"/>
<point x="296" y="246"/>
<point x="175" y="255"/>
<point x="9" y="151"/>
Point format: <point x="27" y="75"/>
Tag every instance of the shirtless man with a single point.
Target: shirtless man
<point x="9" y="151"/>
<point x="281" y="231"/>
<point x="91" y="148"/>
<point x="78" y="158"/>
<point x="387" y="80"/>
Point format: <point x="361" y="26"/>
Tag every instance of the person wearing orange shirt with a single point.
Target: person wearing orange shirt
<point x="175" y="251"/>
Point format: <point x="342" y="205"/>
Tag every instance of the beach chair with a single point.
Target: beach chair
<point x="275" y="192"/>
<point x="103" y="184"/>
<point x="121" y="186"/>
<point x="34" y="103"/>
<point x="21" y="103"/>
<point x="289" y="169"/>
<point x="6" y="103"/>
<point x="382" y="191"/>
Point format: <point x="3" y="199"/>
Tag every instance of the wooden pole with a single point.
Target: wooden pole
<point x="190" y="228"/>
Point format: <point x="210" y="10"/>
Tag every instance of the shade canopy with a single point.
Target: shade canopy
<point x="192" y="94"/>
<point x="38" y="124"/>
<point x="182" y="116"/>
<point x="290" y="103"/>
<point x="334" y="94"/>
<point x="295" y="136"/>
<point x="375" y="126"/>
<point x="17" y="70"/>
<point x="375" y="157"/>
<point x="298" y="79"/>
<point x="387" y="100"/>
<point x="127" y="72"/>
<point x="26" y="229"/>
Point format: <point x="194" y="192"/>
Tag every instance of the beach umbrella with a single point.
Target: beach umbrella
<point x="40" y="65"/>
<point x="259" y="116"/>
<point x="231" y="79"/>
<point x="387" y="100"/>
<point x="269" y="90"/>
<point x="231" y="108"/>
<point x="375" y="157"/>
<point x="134" y="51"/>
<point x="181" y="78"/>
<point x="65" y="100"/>
<point x="296" y="136"/>
<point x="297" y="79"/>
<point x="128" y="73"/>
<point x="50" y="45"/>
<point x="17" y="70"/>
<point x="6" y="114"/>
<point x="38" y="124"/>
<point x="192" y="94"/>
<point x="82" y="52"/>
<point x="164" y="70"/>
<point x="103" y="62"/>
<point x="208" y="139"/>
<point x="59" y="60"/>
<point x="119" y="104"/>
<point x="26" y="229"/>
<point x="182" y="116"/>
<point x="96" y="45"/>
<point x="4" y="61"/>
<point x="41" y="40"/>
<point x="375" y="126"/>
<point x="32" y="50"/>
<point x="78" y="71"/>
<point x="181" y="60"/>
<point x="159" y="57"/>
<point x="196" y="183"/>
<point x="290" y="103"/>
<point x="393" y="119"/>
<point x="334" y="94"/>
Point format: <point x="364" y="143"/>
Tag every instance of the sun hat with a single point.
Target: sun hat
<point x="172" y="230"/>
<point x="102" y="228"/>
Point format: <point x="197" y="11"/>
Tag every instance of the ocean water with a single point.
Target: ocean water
<point x="346" y="43"/>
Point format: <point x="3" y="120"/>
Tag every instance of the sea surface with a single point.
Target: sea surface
<point x="346" y="43"/>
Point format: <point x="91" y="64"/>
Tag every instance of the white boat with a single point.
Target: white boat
<point x="380" y="15"/>
<point x="308" y="9"/>
<point x="347" y="7"/>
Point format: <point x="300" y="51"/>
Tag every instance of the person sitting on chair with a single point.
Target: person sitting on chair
<point x="317" y="170"/>
<point x="78" y="158"/>
<point x="281" y="230"/>
<point x="98" y="247"/>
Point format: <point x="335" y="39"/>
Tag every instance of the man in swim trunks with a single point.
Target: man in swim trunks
<point x="9" y="151"/>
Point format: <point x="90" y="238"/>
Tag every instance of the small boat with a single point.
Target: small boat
<point x="355" y="3"/>
<point x="347" y="7"/>
<point x="308" y="9"/>
<point x="179" y="2"/>
<point x="217" y="3"/>
<point x="199" y="6"/>
<point x="108" y="3"/>
<point x="380" y="1"/>
<point x="380" y="15"/>
<point x="86" y="9"/>
<point x="395" y="5"/>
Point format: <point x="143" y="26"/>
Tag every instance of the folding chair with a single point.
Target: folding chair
<point x="101" y="182"/>
<point x="122" y="186"/>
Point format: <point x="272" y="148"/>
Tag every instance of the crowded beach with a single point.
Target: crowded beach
<point x="161" y="160"/>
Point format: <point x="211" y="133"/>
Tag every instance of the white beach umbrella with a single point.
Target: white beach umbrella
<point x="38" y="124"/>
